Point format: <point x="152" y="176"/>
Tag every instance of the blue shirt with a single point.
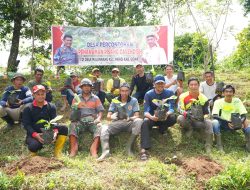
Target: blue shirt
<point x="23" y="94"/>
<point x="65" y="56"/>
<point x="149" y="106"/>
<point x="131" y="106"/>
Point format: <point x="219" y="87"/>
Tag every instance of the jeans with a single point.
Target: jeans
<point x="218" y="125"/>
<point x="69" y="95"/>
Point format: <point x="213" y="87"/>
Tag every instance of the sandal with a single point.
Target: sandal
<point x="144" y="156"/>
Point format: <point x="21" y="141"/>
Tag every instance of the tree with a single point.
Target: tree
<point x="246" y="4"/>
<point x="190" y="49"/>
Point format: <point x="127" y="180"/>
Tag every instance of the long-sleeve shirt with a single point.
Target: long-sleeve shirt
<point x="110" y="86"/>
<point x="65" y="56"/>
<point x="141" y="84"/>
<point x="33" y="113"/>
<point x="149" y="106"/>
<point x="23" y="94"/>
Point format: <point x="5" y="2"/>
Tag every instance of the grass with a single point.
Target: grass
<point x="122" y="172"/>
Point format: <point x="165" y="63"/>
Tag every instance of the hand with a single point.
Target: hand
<point x="154" y="118"/>
<point x="20" y="102"/>
<point x="39" y="138"/>
<point x="114" y="116"/>
<point x="7" y="104"/>
<point x="81" y="105"/>
<point x="54" y="137"/>
<point x="97" y="120"/>
<point x="230" y="125"/>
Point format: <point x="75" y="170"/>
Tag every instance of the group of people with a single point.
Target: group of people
<point x="204" y="107"/>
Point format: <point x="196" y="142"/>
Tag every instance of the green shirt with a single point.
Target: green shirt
<point x="236" y="106"/>
<point x="32" y="83"/>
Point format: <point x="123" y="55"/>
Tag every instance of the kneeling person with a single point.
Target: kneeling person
<point x="33" y="113"/>
<point x="87" y="114"/>
<point x="124" y="113"/>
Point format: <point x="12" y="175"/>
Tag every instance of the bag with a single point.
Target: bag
<point x="96" y="87"/>
<point x="236" y="121"/>
<point x="48" y="135"/>
<point x="149" y="77"/>
<point x="219" y="87"/>
<point x="161" y="113"/>
<point x="116" y="83"/>
<point x="197" y="112"/>
<point x="180" y="76"/>
<point x="13" y="98"/>
<point x="122" y="113"/>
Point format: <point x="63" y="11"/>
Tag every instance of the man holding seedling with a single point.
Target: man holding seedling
<point x="86" y="115"/>
<point x="113" y="85"/>
<point x="39" y="115"/>
<point x="193" y="107"/>
<point x="158" y="111"/>
<point x="229" y="113"/>
<point x="39" y="80"/>
<point x="13" y="100"/>
<point x="124" y="114"/>
<point x="140" y="82"/>
<point x="98" y="84"/>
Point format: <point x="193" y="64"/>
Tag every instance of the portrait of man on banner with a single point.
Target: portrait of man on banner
<point x="66" y="54"/>
<point x="154" y="54"/>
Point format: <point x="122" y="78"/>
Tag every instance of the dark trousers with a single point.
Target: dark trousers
<point x="34" y="145"/>
<point x="139" y="96"/>
<point x="147" y="127"/>
<point x="101" y="95"/>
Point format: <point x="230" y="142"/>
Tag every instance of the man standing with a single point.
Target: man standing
<point x="124" y="113"/>
<point x="66" y="55"/>
<point x="154" y="55"/>
<point x="140" y="81"/>
<point x="87" y="114"/>
<point x="113" y="85"/>
<point x="208" y="86"/>
<point x="13" y="100"/>
<point x="98" y="85"/>
<point x="39" y="80"/>
<point x="151" y="115"/>
<point x="193" y="107"/>
<point x="222" y="114"/>
<point x="35" y="112"/>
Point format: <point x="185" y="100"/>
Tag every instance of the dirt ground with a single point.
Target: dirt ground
<point x="202" y="167"/>
<point x="33" y="165"/>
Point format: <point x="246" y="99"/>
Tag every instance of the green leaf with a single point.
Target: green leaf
<point x="116" y="101"/>
<point x="42" y="121"/>
<point x="57" y="118"/>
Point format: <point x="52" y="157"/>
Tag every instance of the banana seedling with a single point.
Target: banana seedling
<point x="162" y="107"/>
<point x="122" y="113"/>
<point x="48" y="133"/>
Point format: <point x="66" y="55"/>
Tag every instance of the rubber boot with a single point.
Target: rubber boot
<point x="130" y="145"/>
<point x="94" y="147"/>
<point x="218" y="142"/>
<point x="60" y="141"/>
<point x="9" y="121"/>
<point x="247" y="137"/>
<point x="32" y="154"/>
<point x="73" y="145"/>
<point x="105" y="149"/>
<point x="208" y="143"/>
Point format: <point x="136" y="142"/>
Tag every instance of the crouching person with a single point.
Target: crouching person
<point x="164" y="117"/>
<point x="124" y="114"/>
<point x="39" y="110"/>
<point x="193" y="107"/>
<point x="13" y="100"/>
<point x="86" y="115"/>
<point x="229" y="113"/>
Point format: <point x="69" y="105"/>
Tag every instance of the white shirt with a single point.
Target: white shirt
<point x="208" y="91"/>
<point x="155" y="56"/>
<point x="168" y="81"/>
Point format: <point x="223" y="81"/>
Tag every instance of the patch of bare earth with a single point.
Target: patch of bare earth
<point x="33" y="165"/>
